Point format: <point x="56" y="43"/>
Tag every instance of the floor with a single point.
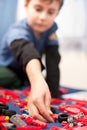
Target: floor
<point x="73" y="68"/>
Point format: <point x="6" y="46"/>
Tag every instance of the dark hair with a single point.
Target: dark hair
<point x="60" y="1"/>
<point x="50" y="1"/>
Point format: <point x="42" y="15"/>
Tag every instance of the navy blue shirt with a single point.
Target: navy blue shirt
<point x="21" y="30"/>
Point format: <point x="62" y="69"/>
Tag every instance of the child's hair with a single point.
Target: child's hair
<point x="50" y="1"/>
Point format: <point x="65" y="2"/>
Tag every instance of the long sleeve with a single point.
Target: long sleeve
<point x="53" y="71"/>
<point x="24" y="51"/>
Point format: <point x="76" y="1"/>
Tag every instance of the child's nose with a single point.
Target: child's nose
<point x="43" y="16"/>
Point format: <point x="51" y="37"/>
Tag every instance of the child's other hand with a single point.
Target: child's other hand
<point x="39" y="101"/>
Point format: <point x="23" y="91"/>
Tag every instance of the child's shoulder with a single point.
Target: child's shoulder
<point x="20" y="23"/>
<point x="52" y="29"/>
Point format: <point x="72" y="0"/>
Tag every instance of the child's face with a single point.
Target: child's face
<point x="41" y="14"/>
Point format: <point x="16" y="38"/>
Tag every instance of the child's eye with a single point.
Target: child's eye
<point x="51" y="12"/>
<point x="38" y="9"/>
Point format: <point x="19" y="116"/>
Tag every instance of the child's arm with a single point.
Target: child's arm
<point x="53" y="71"/>
<point x="39" y="98"/>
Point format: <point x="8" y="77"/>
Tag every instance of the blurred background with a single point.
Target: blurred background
<point x="72" y="33"/>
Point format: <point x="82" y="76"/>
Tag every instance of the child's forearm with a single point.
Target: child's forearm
<point x="33" y="70"/>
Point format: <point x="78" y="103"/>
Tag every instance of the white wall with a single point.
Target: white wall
<point x="72" y="19"/>
<point x="20" y="10"/>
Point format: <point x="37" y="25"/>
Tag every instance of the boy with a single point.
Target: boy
<point x="21" y="52"/>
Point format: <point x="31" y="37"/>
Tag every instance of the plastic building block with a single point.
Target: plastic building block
<point x="56" y="101"/>
<point x="2" y="127"/>
<point x="62" y="117"/>
<point x="71" y="109"/>
<point x="9" y="126"/>
<point x="54" y="128"/>
<point x="28" y="128"/>
<point x="39" y="123"/>
<point x="8" y="112"/>
<point x="28" y="120"/>
<point x="3" y="119"/>
<point x="63" y="90"/>
<point x="17" y="121"/>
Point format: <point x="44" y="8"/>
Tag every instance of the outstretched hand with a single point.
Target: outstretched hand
<point x="39" y="97"/>
<point x="39" y="102"/>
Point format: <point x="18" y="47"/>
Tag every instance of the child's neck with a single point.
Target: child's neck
<point x="38" y="35"/>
